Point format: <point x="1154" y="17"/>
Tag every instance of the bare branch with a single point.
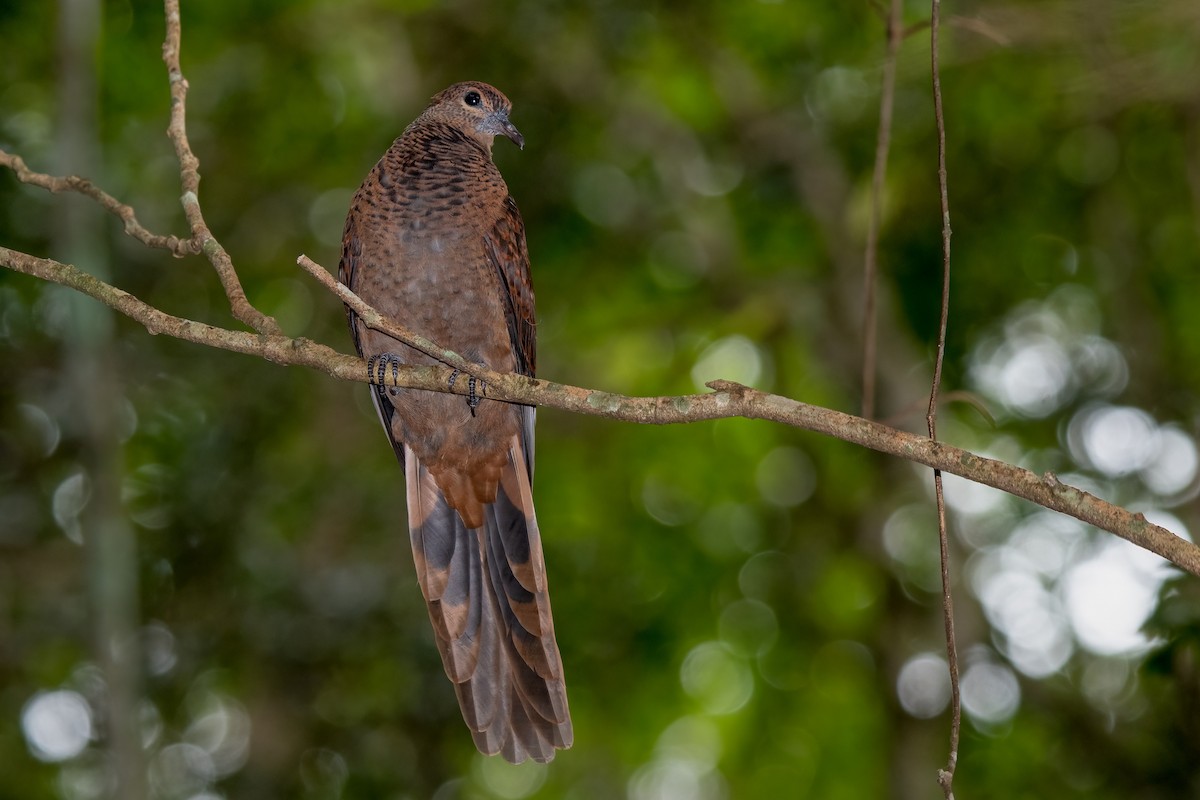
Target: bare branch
<point x="945" y="776"/>
<point x="71" y="183"/>
<point x="726" y="401"/>
<point x="189" y="177"/>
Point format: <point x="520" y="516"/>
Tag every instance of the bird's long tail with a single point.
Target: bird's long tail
<point x="490" y="607"/>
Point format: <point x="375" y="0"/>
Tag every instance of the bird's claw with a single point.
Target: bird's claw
<point x="377" y="368"/>
<point x="472" y="397"/>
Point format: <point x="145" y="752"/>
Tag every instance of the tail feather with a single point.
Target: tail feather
<point x="487" y="596"/>
<point x="448" y="570"/>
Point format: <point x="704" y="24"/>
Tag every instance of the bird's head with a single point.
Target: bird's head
<point x="478" y="110"/>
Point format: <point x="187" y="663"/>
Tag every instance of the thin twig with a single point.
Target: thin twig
<point x="727" y="401"/>
<point x="882" y="144"/>
<point x="945" y="776"/>
<point x="944" y="196"/>
<point x="189" y="178"/>
<point x="71" y="183"/>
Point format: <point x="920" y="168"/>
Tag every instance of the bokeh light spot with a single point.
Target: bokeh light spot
<point x="990" y="693"/>
<point x="666" y="502"/>
<point x="748" y="627"/>
<point x="786" y="477"/>
<point x="1108" y="598"/>
<point x="1088" y="155"/>
<point x="923" y="686"/>
<point x="1022" y="610"/>
<point x="1174" y="469"/>
<point x="43" y="430"/>
<point x="222" y="730"/>
<point x="181" y="770"/>
<point x="1047" y="354"/>
<point x="908" y="537"/>
<point x="510" y="781"/>
<point x="728" y="529"/>
<point x="1116" y="440"/>
<point x="734" y="358"/>
<point x="838" y="95"/>
<point x="970" y="497"/>
<point x="605" y="195"/>
<point x="70" y="497"/>
<point x="57" y="725"/>
<point x="670" y="779"/>
<point x="764" y="573"/>
<point x="158" y="648"/>
<point x="324" y="772"/>
<point x="694" y="739"/>
<point x="721" y="681"/>
<point x="677" y="260"/>
<point x="1035" y="376"/>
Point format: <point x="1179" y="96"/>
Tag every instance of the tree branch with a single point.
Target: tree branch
<point x="945" y="776"/>
<point x="71" y="183"/>
<point x="189" y="178"/>
<point x="726" y="401"/>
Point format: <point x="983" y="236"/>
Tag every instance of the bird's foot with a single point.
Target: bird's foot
<point x="472" y="397"/>
<point x="377" y="368"/>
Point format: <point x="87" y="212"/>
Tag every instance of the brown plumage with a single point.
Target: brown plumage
<point x="434" y="241"/>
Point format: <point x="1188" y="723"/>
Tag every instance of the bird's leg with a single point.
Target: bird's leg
<point x="472" y="398"/>
<point x="377" y="368"/>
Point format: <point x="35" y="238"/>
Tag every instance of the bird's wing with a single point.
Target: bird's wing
<point x="352" y="252"/>
<point x="508" y="253"/>
<point x="348" y="266"/>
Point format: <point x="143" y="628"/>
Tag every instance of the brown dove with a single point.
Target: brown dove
<point x="434" y="241"/>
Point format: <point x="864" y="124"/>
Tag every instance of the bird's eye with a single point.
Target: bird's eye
<point x="472" y="98"/>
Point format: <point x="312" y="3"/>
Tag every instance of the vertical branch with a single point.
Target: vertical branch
<point x="944" y="196"/>
<point x="882" y="145"/>
<point x="109" y="543"/>
<point x="945" y="776"/>
<point x="189" y="178"/>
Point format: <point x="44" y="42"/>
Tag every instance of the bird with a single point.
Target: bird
<point x="434" y="241"/>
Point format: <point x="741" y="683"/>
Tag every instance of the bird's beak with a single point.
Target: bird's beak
<point x="499" y="125"/>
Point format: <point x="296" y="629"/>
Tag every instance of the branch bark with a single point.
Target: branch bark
<point x="178" y="247"/>
<point x="726" y="401"/>
<point x="189" y="178"/>
<point x="945" y="776"/>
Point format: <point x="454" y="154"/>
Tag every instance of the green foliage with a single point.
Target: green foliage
<point x="735" y="602"/>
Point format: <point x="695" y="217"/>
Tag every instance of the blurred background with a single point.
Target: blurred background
<point x="205" y="585"/>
